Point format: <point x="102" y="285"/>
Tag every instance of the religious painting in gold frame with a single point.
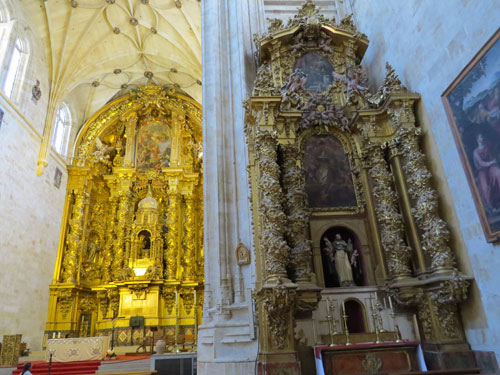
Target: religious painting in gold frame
<point x="154" y="146"/>
<point x="329" y="182"/>
<point x="472" y="104"/>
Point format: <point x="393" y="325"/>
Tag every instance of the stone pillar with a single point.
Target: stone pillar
<point x="298" y="215"/>
<point x="173" y="210"/>
<point x="397" y="253"/>
<point x="433" y="230"/>
<point x="226" y="342"/>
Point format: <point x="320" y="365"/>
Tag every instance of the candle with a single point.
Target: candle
<point x="390" y="304"/>
<point x="59" y="335"/>
<point x="343" y="308"/>
<point x="385" y="303"/>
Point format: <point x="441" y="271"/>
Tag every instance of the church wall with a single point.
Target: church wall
<point x="30" y="212"/>
<point x="429" y="43"/>
<point x="30" y="206"/>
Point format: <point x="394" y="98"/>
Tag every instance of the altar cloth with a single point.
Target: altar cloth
<point x="77" y="349"/>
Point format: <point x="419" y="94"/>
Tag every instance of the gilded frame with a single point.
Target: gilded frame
<point x="491" y="232"/>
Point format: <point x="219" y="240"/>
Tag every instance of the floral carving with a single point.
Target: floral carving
<point x="73" y="240"/>
<point x="114" y="301"/>
<point x="398" y="254"/>
<point x="433" y="230"/>
<point x="169" y="296"/>
<point x="187" y="296"/>
<point x="273" y="218"/>
<point x="174" y="202"/>
<point x="298" y="214"/>
<point x="189" y="258"/>
<point x="278" y="303"/>
<point x="102" y="297"/>
<point x="65" y="302"/>
<point x="88" y="304"/>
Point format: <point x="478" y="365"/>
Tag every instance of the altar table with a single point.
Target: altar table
<point x="387" y="357"/>
<point x="77" y="349"/>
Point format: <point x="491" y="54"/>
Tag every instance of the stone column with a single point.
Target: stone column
<point x="298" y="215"/>
<point x="433" y="230"/>
<point x="397" y="253"/>
<point x="173" y="210"/>
<point x="227" y="335"/>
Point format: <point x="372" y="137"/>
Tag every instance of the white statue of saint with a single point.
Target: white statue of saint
<point x="342" y="259"/>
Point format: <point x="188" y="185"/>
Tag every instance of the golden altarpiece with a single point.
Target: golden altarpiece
<point x="132" y="233"/>
<point x="347" y="230"/>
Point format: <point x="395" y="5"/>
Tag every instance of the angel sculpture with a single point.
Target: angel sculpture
<point x="103" y="151"/>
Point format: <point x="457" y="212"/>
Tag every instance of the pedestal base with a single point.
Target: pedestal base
<point x="386" y="358"/>
<point x="174" y="364"/>
<point x="278" y="363"/>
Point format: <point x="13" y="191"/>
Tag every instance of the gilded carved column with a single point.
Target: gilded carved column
<point x="74" y="238"/>
<point x="200" y="265"/>
<point x="119" y="241"/>
<point x="110" y="234"/>
<point x="434" y="232"/>
<point x="189" y="239"/>
<point x="174" y="205"/>
<point x="273" y="220"/>
<point x="298" y="215"/>
<point x="395" y="153"/>
<point x="398" y="254"/>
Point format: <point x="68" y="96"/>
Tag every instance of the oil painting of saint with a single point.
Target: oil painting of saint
<point x="154" y="145"/>
<point x="473" y="106"/>
<point x="329" y="182"/>
<point x="318" y="71"/>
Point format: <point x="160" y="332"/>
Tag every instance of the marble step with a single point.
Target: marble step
<point x="124" y="366"/>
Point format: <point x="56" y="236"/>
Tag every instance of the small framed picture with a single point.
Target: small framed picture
<point x="57" y="178"/>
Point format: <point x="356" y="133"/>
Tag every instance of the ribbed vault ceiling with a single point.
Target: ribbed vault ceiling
<point x="99" y="47"/>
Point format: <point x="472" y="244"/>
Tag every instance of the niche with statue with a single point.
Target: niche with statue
<point x="341" y="258"/>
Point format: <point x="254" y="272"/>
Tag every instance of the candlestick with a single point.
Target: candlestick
<point x="397" y="333"/>
<point x="330" y="323"/>
<point x="346" y="329"/>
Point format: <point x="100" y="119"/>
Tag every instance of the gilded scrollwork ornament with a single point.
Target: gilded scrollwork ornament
<point x="278" y="304"/>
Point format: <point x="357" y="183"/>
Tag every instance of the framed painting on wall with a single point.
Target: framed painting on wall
<point x="472" y="103"/>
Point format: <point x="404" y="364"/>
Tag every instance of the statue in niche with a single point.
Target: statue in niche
<point x="339" y="255"/>
<point x="144" y="245"/>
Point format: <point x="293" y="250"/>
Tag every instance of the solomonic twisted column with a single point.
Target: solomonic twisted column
<point x="74" y="238"/>
<point x="189" y="239"/>
<point x="433" y="230"/>
<point x="108" y="247"/>
<point x="174" y="204"/>
<point x="398" y="254"/>
<point x="119" y="242"/>
<point x="273" y="219"/>
<point x="298" y="215"/>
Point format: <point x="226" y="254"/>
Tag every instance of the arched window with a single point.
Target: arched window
<point x="62" y="127"/>
<point x="15" y="69"/>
